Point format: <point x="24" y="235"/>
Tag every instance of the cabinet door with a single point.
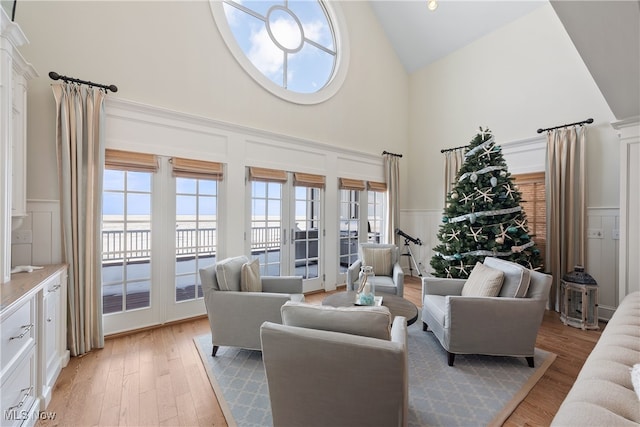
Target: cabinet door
<point x="19" y="393"/>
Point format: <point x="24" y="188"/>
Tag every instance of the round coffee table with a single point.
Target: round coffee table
<point x="398" y="306"/>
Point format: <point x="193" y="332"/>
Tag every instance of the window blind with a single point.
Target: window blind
<point x="308" y="180"/>
<point x="189" y="168"/>
<point x="352" y="184"/>
<point x="130" y="161"/>
<point x="532" y="189"/>
<point x="377" y="186"/>
<point x="264" y="174"/>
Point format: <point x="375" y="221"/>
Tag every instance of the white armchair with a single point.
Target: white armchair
<point x="336" y="366"/>
<point x="385" y="259"/>
<point x="234" y="315"/>
<point x="504" y="325"/>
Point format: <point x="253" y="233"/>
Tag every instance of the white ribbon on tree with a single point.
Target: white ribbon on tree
<point x="480" y="172"/>
<point x="485" y="213"/>
<point x="479" y="147"/>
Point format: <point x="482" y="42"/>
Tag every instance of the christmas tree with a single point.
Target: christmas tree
<point x="483" y="216"/>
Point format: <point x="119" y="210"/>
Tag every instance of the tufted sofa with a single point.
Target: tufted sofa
<point x="603" y="394"/>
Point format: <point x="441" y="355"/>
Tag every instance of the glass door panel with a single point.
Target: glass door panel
<point x="267" y="226"/>
<point x="196" y="234"/>
<point x="349" y="225"/>
<point x="307" y="232"/>
<point x="126" y="247"/>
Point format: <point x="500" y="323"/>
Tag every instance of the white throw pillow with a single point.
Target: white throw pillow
<point x="483" y="282"/>
<point x="379" y="259"/>
<point x="250" y="277"/>
<point x="228" y="273"/>
<point x="635" y="378"/>
<point x="516" y="277"/>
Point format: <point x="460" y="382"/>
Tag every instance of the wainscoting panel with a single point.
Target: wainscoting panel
<point x="423" y="225"/>
<point x="43" y="220"/>
<point x="602" y="256"/>
<point x="602" y="248"/>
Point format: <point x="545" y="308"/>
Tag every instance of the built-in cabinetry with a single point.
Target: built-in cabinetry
<point x="629" y="271"/>
<point x="14" y="74"/>
<point x="33" y="347"/>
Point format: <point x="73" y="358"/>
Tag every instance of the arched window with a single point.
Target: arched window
<point x="294" y="49"/>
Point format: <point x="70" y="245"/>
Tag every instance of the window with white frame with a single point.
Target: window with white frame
<point x="294" y="49"/>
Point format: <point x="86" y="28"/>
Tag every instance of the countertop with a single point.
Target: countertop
<point x="23" y="285"/>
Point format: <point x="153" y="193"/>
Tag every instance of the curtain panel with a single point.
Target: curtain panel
<point x="453" y="161"/>
<point x="392" y="177"/>
<point x="566" y="205"/>
<point x="80" y="152"/>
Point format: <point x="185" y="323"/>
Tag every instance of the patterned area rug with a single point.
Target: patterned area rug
<point x="477" y="390"/>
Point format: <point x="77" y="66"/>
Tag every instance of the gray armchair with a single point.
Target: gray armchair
<point x="329" y="366"/>
<point x="505" y="325"/>
<point x="235" y="316"/>
<point x="392" y="282"/>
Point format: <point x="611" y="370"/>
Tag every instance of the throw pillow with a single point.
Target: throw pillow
<point x="228" y="273"/>
<point x="516" y="277"/>
<point x="483" y="282"/>
<point x="635" y="378"/>
<point x="250" y="277"/>
<point x="379" y="259"/>
<point x="374" y="322"/>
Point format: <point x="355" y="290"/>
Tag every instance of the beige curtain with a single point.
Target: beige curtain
<point x="453" y="161"/>
<point x="392" y="176"/>
<point x="80" y="149"/>
<point x="566" y="204"/>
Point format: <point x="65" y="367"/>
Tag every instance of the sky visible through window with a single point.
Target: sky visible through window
<point x="289" y="42"/>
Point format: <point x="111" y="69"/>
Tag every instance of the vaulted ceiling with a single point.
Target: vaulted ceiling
<point x="606" y="34"/>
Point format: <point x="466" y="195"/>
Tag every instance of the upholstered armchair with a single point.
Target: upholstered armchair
<point x="336" y="366"/>
<point x="502" y="325"/>
<point x="385" y="260"/>
<point x="235" y="315"/>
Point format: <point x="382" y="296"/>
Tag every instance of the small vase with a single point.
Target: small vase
<point x="366" y="291"/>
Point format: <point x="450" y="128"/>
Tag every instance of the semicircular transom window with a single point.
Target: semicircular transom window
<point x="291" y="43"/>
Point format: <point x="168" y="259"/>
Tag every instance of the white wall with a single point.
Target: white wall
<point x="170" y="54"/>
<point x="524" y="76"/>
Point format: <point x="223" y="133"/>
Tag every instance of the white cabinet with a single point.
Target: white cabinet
<point x="53" y="332"/>
<point x="629" y="268"/>
<point x="33" y="348"/>
<point x="14" y="74"/>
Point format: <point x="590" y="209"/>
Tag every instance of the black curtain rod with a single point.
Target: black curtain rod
<point x="444" y="150"/>
<point x="392" y="154"/>
<point x="565" y="126"/>
<point x="56" y="76"/>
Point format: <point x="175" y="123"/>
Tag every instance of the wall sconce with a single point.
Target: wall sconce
<point x="432" y="5"/>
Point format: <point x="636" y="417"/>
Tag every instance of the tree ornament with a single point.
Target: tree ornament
<point x="445" y="219"/>
<point x="472" y="218"/>
<point x="458" y="257"/>
<point x="494" y="181"/>
<point x="474" y="177"/>
<point x="511" y="229"/>
<point x="503" y="173"/>
<point x="454" y="195"/>
<point x="500" y="240"/>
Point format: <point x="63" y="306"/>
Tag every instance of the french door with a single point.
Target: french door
<point x="159" y="228"/>
<point x="286" y="228"/>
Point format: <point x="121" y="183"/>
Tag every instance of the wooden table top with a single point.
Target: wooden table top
<point x="398" y="306"/>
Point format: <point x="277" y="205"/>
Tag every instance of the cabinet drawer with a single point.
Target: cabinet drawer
<point x="18" y="332"/>
<point x="18" y="392"/>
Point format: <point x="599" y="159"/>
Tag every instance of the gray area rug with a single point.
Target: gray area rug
<point x="476" y="391"/>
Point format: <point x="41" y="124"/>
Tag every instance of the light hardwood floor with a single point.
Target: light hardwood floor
<point x="155" y="377"/>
